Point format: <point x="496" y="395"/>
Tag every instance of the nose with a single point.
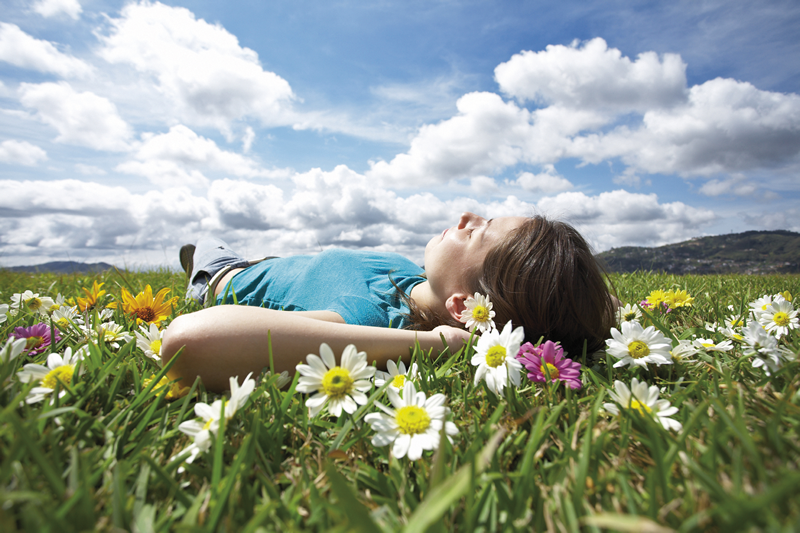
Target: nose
<point x="469" y="219"/>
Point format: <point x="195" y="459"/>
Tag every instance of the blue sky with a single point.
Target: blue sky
<point x="130" y="128"/>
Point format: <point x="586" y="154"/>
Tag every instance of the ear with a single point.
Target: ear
<point x="455" y="305"/>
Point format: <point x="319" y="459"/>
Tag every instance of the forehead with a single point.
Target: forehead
<point x="501" y="226"/>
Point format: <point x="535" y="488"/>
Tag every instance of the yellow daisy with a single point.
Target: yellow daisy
<point x="92" y="297"/>
<point x="148" y="309"/>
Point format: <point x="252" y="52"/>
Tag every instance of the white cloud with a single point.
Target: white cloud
<point x="83" y="119"/>
<point x="180" y="156"/>
<point x="483" y="185"/>
<point x="89" y="170"/>
<point x="247" y="139"/>
<point x="21" y="153"/>
<point x="601" y="106"/>
<point x="487" y="135"/>
<point x="323" y="209"/>
<point x="24" y="51"/>
<point x="725" y="126"/>
<point x="737" y="185"/>
<point x="618" y="218"/>
<point x="200" y="67"/>
<point x="49" y="8"/>
<point x="589" y="75"/>
<point x="545" y="182"/>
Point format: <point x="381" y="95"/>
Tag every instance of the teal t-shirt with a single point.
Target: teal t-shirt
<point x="353" y="283"/>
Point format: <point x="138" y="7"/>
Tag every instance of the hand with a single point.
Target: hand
<point x="455" y="337"/>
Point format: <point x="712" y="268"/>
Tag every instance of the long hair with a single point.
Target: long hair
<point x="544" y="277"/>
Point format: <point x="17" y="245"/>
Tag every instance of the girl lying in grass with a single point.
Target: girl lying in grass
<point x="539" y="274"/>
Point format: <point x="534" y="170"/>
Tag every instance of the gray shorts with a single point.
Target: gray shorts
<point x="213" y="258"/>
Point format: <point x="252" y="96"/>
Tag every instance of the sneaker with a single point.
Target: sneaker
<point x="187" y="258"/>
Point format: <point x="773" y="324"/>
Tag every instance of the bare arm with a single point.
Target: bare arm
<point x="231" y="340"/>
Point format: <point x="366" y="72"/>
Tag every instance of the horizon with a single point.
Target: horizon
<point x="130" y="128"/>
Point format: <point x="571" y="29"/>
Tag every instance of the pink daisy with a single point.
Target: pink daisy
<point x="548" y="358"/>
<point x="37" y="337"/>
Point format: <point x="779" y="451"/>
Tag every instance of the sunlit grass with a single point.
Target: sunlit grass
<point x="538" y="458"/>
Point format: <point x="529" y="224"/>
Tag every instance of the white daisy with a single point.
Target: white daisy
<point x="58" y="303"/>
<point x="683" y="352"/>
<point x="779" y="318"/>
<point x="149" y="341"/>
<point x="12" y="349"/>
<point x="645" y="400"/>
<point x="58" y="370"/>
<point x="414" y="425"/>
<point x="710" y="346"/>
<point x="496" y="358"/>
<point x="211" y="415"/>
<point x="628" y="313"/>
<point x="397" y="375"/>
<point x="111" y="333"/>
<point x="3" y="313"/>
<point x="762" y="347"/>
<point x="31" y="301"/>
<point x="758" y="307"/>
<point x="338" y="387"/>
<point x="637" y="346"/>
<point x="64" y="317"/>
<point x="478" y="313"/>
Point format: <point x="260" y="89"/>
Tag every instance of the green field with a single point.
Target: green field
<point x="538" y="458"/>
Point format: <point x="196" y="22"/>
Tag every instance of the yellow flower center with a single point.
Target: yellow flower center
<point x="61" y="374"/>
<point x="33" y="303"/>
<point x="549" y="370"/>
<point x="337" y="383"/>
<point x="210" y="421"/>
<point x="496" y="356"/>
<point x="781" y="318"/>
<point x="708" y="345"/>
<point x="643" y="408"/>
<point x="480" y="313"/>
<point x="33" y="342"/>
<point x="638" y="349"/>
<point x="412" y="420"/>
<point x="787" y="295"/>
<point x="631" y="315"/>
<point x="63" y="322"/>
<point x="145" y="314"/>
<point x="399" y="381"/>
<point x="155" y="346"/>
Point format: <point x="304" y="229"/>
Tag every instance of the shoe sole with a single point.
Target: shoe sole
<point x="187" y="258"/>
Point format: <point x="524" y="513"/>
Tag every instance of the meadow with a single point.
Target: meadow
<point x="102" y="450"/>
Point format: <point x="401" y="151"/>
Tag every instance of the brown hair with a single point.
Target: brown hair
<point x="544" y="277"/>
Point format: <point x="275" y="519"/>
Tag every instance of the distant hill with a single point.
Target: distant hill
<point x="62" y="267"/>
<point x="751" y="252"/>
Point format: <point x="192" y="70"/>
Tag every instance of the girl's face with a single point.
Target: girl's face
<point x="454" y="258"/>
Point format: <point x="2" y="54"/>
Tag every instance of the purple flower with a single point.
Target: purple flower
<point x="37" y="337"/>
<point x="548" y="359"/>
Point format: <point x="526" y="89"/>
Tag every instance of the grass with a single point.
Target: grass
<point x="537" y="459"/>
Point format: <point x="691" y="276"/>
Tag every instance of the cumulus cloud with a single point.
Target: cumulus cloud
<point x="50" y="8"/>
<point x="591" y="76"/>
<point x="21" y="153"/>
<point x="737" y="185"/>
<point x="81" y="118"/>
<point x="545" y="182"/>
<point x="25" y="51"/>
<point x="200" y="67"/>
<point x="596" y="106"/>
<point x="620" y="217"/>
<point x="337" y="208"/>
<point x="487" y="135"/>
<point x="725" y="126"/>
<point x="179" y="156"/>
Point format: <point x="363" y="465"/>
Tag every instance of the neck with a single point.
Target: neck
<point x="423" y="297"/>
